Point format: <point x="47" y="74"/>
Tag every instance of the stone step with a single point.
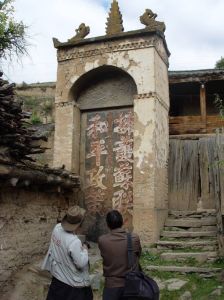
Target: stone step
<point x="200" y="257"/>
<point x="203" y="228"/>
<point x="206" y="245"/>
<point x="184" y="269"/>
<point x="188" y="234"/>
<point x="186" y="222"/>
<point x="192" y="214"/>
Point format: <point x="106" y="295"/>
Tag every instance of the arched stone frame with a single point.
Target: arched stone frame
<point x="79" y="84"/>
<point x="123" y="89"/>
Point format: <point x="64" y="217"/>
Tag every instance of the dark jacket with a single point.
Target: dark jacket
<point x="113" y="248"/>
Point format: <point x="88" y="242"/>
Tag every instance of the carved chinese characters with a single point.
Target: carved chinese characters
<point x="109" y="162"/>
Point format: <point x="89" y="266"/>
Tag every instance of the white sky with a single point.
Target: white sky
<point x="194" y="34"/>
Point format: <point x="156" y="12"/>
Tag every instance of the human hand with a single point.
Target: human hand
<point x="86" y="244"/>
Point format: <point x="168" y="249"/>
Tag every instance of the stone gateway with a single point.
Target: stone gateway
<point x="111" y="124"/>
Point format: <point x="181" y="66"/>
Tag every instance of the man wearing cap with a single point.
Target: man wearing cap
<point x="67" y="260"/>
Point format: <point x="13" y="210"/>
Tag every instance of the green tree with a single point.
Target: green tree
<point x="12" y="33"/>
<point x="220" y="63"/>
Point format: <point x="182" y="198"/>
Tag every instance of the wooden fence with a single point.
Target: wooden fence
<point x="196" y="176"/>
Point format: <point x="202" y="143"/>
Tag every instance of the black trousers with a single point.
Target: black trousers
<point x="113" y="293"/>
<point x="61" y="291"/>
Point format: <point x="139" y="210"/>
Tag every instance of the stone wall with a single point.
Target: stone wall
<point x="45" y="158"/>
<point x="26" y="221"/>
<point x="38" y="99"/>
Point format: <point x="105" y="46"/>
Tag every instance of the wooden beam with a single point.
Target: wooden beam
<point x="203" y="103"/>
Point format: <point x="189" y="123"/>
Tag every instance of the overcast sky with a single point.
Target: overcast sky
<point x="194" y="34"/>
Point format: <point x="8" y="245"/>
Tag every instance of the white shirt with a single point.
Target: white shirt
<point x="66" y="259"/>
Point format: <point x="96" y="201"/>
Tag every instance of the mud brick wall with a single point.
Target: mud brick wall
<point x="26" y="221"/>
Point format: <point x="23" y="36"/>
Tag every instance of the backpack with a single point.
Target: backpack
<point x="137" y="284"/>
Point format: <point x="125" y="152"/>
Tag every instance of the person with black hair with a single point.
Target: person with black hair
<point x="113" y="249"/>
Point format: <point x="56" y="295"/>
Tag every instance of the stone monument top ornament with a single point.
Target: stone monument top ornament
<point x="114" y="21"/>
<point x="81" y="32"/>
<point x="149" y="20"/>
<point x="114" y="28"/>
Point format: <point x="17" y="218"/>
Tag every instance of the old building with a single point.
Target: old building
<point x="140" y="139"/>
<point x="193" y="107"/>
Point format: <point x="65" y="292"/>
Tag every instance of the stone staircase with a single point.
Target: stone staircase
<point x="188" y="237"/>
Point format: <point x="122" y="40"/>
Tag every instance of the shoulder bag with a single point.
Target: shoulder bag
<point x="137" y="284"/>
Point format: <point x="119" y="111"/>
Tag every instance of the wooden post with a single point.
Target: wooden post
<point x="203" y="104"/>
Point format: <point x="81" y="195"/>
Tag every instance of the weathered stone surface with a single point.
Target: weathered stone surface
<point x="186" y="222"/>
<point x="187" y="244"/>
<point x="186" y="296"/>
<point x="160" y="283"/>
<point x="149" y="20"/>
<point x="114" y="21"/>
<point x="192" y="214"/>
<point x="188" y="234"/>
<point x="175" y="284"/>
<point x="217" y="292"/>
<point x="203" y="245"/>
<point x="200" y="257"/>
<point x="28" y="218"/>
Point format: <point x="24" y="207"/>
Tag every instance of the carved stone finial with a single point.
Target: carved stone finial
<point x="149" y="20"/>
<point x="114" y="21"/>
<point x="81" y="33"/>
<point x="56" y="42"/>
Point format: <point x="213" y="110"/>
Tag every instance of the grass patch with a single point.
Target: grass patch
<point x="200" y="288"/>
<point x="148" y="258"/>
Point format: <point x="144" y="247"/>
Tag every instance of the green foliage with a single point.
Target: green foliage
<point x="35" y="119"/>
<point x="219" y="103"/>
<point x="47" y="107"/>
<point x="220" y="63"/>
<point x="12" y="33"/>
<point x="30" y="103"/>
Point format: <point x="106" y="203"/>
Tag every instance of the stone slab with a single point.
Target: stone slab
<point x="175" y="284"/>
<point x="188" y="234"/>
<point x="190" y="222"/>
<point x="207" y="245"/>
<point x="199" y="256"/>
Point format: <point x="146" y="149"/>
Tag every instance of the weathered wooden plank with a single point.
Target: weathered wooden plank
<point x="207" y="160"/>
<point x="183" y="174"/>
<point x="185" y="119"/>
<point x="219" y="189"/>
<point x="221" y="176"/>
<point x="194" y="124"/>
